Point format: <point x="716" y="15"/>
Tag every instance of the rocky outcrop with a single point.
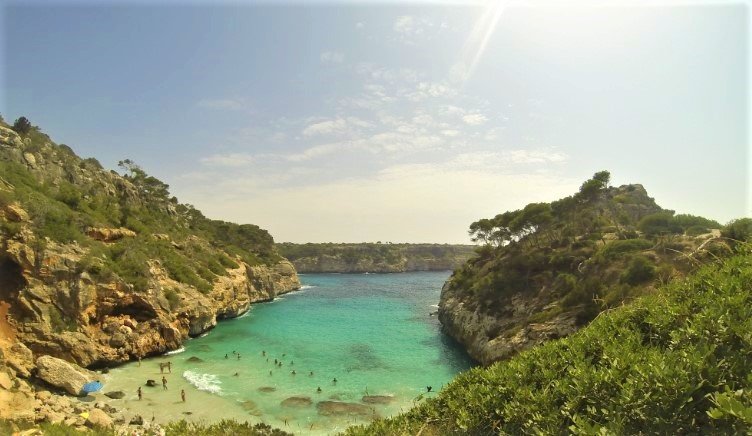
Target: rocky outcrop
<point x="489" y="337"/>
<point x="63" y="375"/>
<point x="109" y="235"/>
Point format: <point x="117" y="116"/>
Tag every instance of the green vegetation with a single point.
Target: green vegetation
<point x="675" y="362"/>
<point x="66" y="196"/>
<point x="179" y="428"/>
<point x="374" y="257"/>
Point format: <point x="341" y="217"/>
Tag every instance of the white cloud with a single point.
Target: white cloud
<point x="450" y="132"/>
<point x="474" y="119"/>
<point x="223" y="104"/>
<point x="328" y="127"/>
<point x="360" y="25"/>
<point x="228" y="160"/>
<point x="332" y="57"/>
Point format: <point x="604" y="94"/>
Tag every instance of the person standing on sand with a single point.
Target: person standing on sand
<point x="169" y="367"/>
<point x="140" y="394"/>
<point x="182" y="394"/>
<point x="164" y="383"/>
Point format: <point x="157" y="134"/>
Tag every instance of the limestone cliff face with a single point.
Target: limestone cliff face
<point x="55" y="308"/>
<point x="492" y="336"/>
<point x="375" y="257"/>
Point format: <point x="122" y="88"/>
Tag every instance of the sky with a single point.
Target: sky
<point x="388" y="121"/>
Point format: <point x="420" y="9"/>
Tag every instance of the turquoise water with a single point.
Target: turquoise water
<point x="372" y="332"/>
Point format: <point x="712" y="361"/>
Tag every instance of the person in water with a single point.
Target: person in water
<point x="428" y="388"/>
<point x="334" y="380"/>
<point x="182" y="395"/>
<point x="140" y="394"/>
<point x="226" y="356"/>
<point x="311" y="374"/>
<point x="270" y="373"/>
<point x="293" y="372"/>
<point x="318" y="389"/>
<point x="164" y="383"/>
<point x="263" y="353"/>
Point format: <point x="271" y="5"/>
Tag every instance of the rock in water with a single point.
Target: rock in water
<point x="136" y="420"/>
<point x="338" y="408"/>
<point x="297" y="402"/>
<point x="151" y="383"/>
<point x="267" y="389"/>
<point x="64" y="375"/>
<point x="115" y="395"/>
<point x="194" y="359"/>
<point x="377" y="399"/>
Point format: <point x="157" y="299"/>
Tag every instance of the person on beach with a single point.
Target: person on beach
<point x="164" y="383"/>
<point x="139" y="360"/>
<point x="169" y="367"/>
<point x="140" y="394"/>
<point x="182" y="394"/>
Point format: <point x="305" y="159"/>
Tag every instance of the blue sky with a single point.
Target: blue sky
<point x="383" y="121"/>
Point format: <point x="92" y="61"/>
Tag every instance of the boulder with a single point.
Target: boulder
<point x="151" y="383"/>
<point x="15" y="213"/>
<point x="136" y="420"/>
<point x="59" y="373"/>
<point x="98" y="419"/>
<point x="109" y="235"/>
<point x="115" y="395"/>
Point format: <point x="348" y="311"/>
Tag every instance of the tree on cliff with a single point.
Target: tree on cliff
<point x="22" y="126"/>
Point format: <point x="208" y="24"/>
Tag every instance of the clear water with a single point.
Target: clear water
<point x="372" y="332"/>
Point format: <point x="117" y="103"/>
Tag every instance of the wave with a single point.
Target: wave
<point x="304" y="287"/>
<point x="203" y="382"/>
<point x="203" y="335"/>
<point x="247" y="312"/>
<point x="178" y="351"/>
<point x="435" y="305"/>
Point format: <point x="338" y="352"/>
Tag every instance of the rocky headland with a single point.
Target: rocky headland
<point x="547" y="270"/>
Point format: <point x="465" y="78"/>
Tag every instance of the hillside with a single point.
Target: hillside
<point x="378" y="257"/>
<point x="99" y="268"/>
<point x="548" y="269"/>
<point x="676" y="362"/>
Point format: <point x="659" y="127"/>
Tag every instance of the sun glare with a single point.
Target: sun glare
<point x="478" y="39"/>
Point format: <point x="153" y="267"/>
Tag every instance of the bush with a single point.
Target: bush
<point x="659" y="223"/>
<point x="22" y="126"/>
<point x="739" y="229"/>
<point x="172" y="298"/>
<point x="615" y="248"/>
<point x="640" y="270"/>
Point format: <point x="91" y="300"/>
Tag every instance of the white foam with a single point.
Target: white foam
<point x="247" y="312"/>
<point x="178" y="351"/>
<point x="435" y="305"/>
<point x="203" y="335"/>
<point x="304" y="287"/>
<point x="203" y="382"/>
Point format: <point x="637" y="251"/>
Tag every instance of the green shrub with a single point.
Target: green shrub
<point x="22" y="126"/>
<point x="614" y="249"/>
<point x="172" y="298"/>
<point x="696" y="230"/>
<point x="640" y="270"/>
<point x="739" y="229"/>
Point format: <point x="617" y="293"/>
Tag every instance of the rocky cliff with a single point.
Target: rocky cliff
<point x="548" y="269"/>
<point x="375" y="257"/>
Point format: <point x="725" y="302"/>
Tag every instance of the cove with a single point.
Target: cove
<point x="374" y="333"/>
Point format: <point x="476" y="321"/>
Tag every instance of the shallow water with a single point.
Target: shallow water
<point x="372" y="332"/>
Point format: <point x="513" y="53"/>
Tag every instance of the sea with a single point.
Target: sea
<point x="348" y="348"/>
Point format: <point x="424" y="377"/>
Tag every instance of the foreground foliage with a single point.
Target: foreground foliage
<point x="675" y="362"/>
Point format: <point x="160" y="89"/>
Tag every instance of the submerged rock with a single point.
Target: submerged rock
<point x="250" y="407"/>
<point x="377" y="399"/>
<point x="338" y="408"/>
<point x="194" y="359"/>
<point x="266" y="389"/>
<point x="151" y="383"/>
<point x="297" y="402"/>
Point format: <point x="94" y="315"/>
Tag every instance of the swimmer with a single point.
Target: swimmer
<point x="311" y="374"/>
<point x="428" y="388"/>
<point x="334" y="380"/>
<point x="226" y="356"/>
<point x="140" y="394"/>
<point x="293" y="372"/>
<point x="318" y="389"/>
